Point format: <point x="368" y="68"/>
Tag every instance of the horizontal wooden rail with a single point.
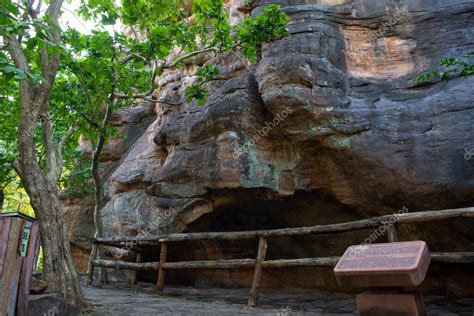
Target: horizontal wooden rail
<point x="121" y="265"/>
<point x="453" y="257"/>
<point x="403" y="218"/>
<point x="211" y="264"/>
<point x="305" y="262"/>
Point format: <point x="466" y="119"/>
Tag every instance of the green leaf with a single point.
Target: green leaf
<point x="454" y="67"/>
<point x="53" y="49"/>
<point x="447" y="62"/>
<point x="8" y="69"/>
<point x="31" y="43"/>
<point x="20" y="75"/>
<point x="470" y="54"/>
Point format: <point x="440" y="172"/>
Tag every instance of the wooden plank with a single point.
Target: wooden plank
<point x="319" y="229"/>
<point x="27" y="272"/>
<point x="134" y="272"/>
<point x="160" y="284"/>
<point x="11" y="272"/>
<point x="5" y="225"/>
<point x="90" y="264"/>
<point x="12" y="295"/>
<point x="255" y="290"/>
<point x="392" y="232"/>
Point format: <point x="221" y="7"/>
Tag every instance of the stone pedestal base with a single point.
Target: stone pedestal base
<point x="390" y="304"/>
<point x="47" y="304"/>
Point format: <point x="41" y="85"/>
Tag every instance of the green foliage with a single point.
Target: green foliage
<point x="101" y="69"/>
<point x="77" y="181"/>
<point x="196" y="90"/>
<point x="9" y="122"/>
<point x="454" y="67"/>
<point x="212" y="19"/>
<point x="92" y="71"/>
<point x="7" y="155"/>
<point x="104" y="11"/>
<point x="11" y="72"/>
<point x="16" y="198"/>
<point x="34" y="34"/>
<point x="264" y="28"/>
<point x="249" y="35"/>
<point x="167" y="24"/>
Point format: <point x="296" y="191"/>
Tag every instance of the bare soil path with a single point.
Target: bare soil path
<point x="119" y="299"/>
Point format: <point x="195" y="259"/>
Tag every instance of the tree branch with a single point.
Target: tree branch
<point x="192" y="54"/>
<point x="59" y="150"/>
<point x="129" y="57"/>
<point x="17" y="168"/>
<point x="242" y="60"/>
<point x="135" y="33"/>
<point x="161" y="101"/>
<point x="66" y="137"/>
<point x="50" y="63"/>
<point x="163" y="66"/>
<point x="16" y="53"/>
<point x="119" y="95"/>
<point x="32" y="12"/>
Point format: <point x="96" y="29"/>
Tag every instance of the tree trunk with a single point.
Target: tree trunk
<point x="98" y="191"/>
<point x="99" y="227"/>
<point x="42" y="188"/>
<point x="59" y="270"/>
<point x="41" y="184"/>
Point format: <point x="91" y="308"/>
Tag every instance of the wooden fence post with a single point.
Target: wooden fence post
<point x="135" y="272"/>
<point x="161" y="271"/>
<point x="90" y="265"/>
<point x="255" y="290"/>
<point x="392" y="233"/>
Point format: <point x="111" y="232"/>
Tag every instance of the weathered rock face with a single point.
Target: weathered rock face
<point x="327" y="127"/>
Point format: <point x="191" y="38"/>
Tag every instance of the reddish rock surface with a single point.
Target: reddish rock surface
<point x="328" y="127"/>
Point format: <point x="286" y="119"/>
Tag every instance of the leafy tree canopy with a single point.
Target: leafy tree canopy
<point x="104" y="70"/>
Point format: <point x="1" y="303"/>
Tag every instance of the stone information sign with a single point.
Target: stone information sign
<point x="389" y="264"/>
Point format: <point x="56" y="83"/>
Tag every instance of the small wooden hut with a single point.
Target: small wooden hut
<point x="19" y="242"/>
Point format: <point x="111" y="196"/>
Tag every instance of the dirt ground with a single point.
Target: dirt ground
<point x="120" y="299"/>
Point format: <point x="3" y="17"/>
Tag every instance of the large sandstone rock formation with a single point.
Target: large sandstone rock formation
<point x="328" y="127"/>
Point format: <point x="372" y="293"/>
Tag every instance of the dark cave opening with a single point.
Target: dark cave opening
<point x="251" y="211"/>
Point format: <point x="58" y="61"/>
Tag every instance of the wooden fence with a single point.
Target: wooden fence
<point x="259" y="263"/>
